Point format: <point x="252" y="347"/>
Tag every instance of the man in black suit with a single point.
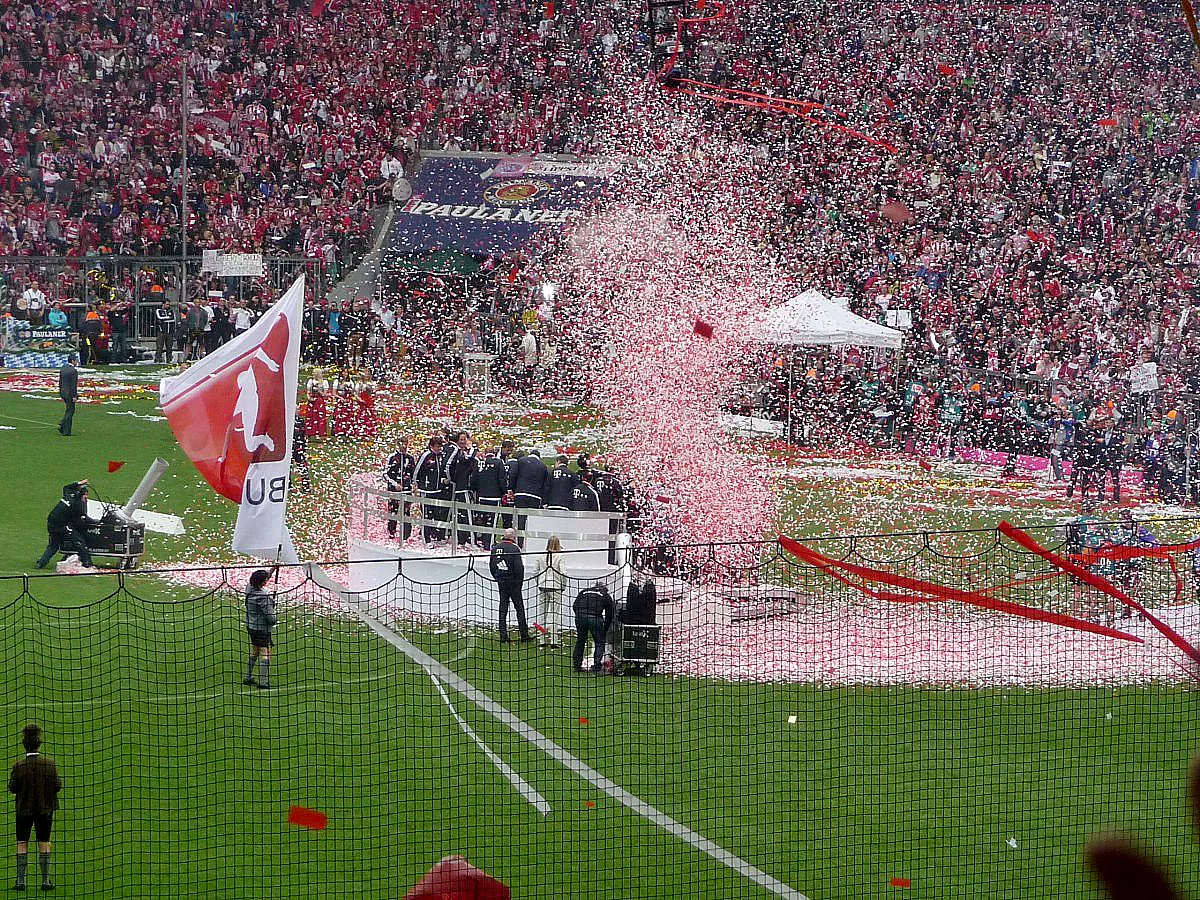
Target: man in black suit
<point x="429" y="481"/>
<point x="68" y="392"/>
<point x="529" y="485"/>
<point x="399" y="476"/>
<point x="509" y="571"/>
<point x="611" y="496"/>
<point x="490" y="484"/>
<point x="561" y="486"/>
<point x="460" y="467"/>
<point x="35" y="782"/>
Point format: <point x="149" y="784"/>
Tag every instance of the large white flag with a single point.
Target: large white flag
<point x="233" y="413"/>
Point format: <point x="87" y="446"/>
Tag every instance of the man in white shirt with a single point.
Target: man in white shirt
<point x="391" y="167"/>
<point x="242" y="319"/>
<point x="35" y="303"/>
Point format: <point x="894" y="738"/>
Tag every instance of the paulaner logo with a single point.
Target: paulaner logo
<point x="516" y="193"/>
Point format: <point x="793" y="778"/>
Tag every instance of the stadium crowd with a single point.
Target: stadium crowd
<point x="1040" y="220"/>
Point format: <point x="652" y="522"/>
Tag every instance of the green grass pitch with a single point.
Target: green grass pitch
<point x="179" y="779"/>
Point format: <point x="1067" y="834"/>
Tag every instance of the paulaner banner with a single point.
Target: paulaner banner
<point x="24" y="347"/>
<point x="489" y="206"/>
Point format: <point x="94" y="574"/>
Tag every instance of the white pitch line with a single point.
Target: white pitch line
<point x="524" y="788"/>
<point x="557" y="753"/>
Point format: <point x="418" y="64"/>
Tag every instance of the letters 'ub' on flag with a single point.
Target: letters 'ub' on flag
<point x="233" y="413"/>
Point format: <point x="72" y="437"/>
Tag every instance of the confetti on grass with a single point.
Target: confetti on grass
<point x="312" y="819"/>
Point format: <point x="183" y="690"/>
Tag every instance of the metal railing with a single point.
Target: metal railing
<point x="77" y="282"/>
<point x="414" y="509"/>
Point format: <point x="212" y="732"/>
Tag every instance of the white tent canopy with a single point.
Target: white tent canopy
<point x="813" y="320"/>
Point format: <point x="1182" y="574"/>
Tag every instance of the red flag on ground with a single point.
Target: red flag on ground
<point x="703" y="329"/>
<point x="456" y="879"/>
<point x="114" y="464"/>
<point x="307" y="818"/>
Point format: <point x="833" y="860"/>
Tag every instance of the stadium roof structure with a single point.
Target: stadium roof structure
<point x="813" y="320"/>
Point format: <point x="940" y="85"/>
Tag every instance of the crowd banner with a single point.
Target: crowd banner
<point x="241" y="265"/>
<point x="488" y="205"/>
<point x="210" y="261"/>
<point x="26" y="347"/>
<point x="1143" y="378"/>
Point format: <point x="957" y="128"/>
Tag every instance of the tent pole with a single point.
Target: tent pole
<point x="791" y="393"/>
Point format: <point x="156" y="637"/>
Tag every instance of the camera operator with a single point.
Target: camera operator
<point x="67" y="524"/>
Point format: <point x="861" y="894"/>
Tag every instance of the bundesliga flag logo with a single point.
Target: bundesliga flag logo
<point x="233" y="413"/>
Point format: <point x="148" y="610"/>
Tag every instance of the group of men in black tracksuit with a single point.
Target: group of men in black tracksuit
<point x="451" y="469"/>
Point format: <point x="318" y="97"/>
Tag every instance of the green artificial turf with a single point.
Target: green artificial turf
<point x="179" y="779"/>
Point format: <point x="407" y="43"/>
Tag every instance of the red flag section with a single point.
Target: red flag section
<point x="236" y="415"/>
<point x="307" y="818"/>
<point x="948" y="71"/>
<point x="456" y="879"/>
<point x="917" y="591"/>
<point x="114" y="465"/>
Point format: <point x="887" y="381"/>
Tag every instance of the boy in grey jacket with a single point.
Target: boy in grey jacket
<point x="260" y="619"/>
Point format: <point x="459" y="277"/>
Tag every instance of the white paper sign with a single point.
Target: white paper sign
<point x="1143" y="378"/>
<point x="241" y="265"/>
<point x="211" y="261"/>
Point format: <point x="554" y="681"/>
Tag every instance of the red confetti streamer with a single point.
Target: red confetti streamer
<point x="307" y="818"/>
<point x="703" y="329"/>
<point x="1108" y="123"/>
<point x="902" y="882"/>
<point x="940" y="592"/>
<point x="583" y="720"/>
<point x="114" y="465"/>
<point x="1189" y="13"/>
<point x="1100" y="584"/>
<point x="591" y="804"/>
<point x="925" y="464"/>
<point x="734" y="96"/>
